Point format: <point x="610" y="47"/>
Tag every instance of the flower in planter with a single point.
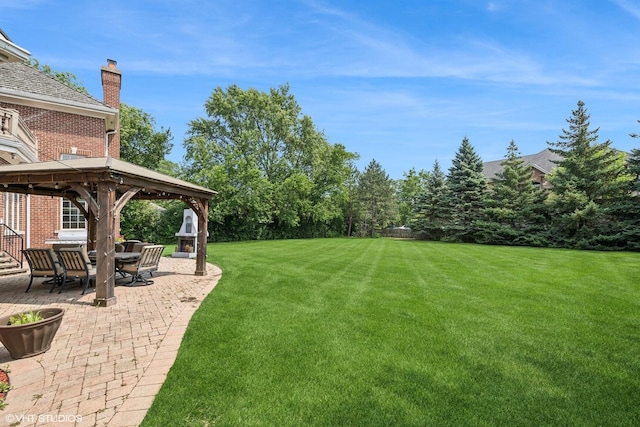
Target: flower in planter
<point x="26" y="317"/>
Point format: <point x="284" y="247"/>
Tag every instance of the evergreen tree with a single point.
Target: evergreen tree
<point x="432" y="209"/>
<point x="466" y="187"/>
<point x="625" y="231"/>
<point x="590" y="179"/>
<point x="514" y="206"/>
<point x="629" y="218"/>
<point x="376" y="194"/>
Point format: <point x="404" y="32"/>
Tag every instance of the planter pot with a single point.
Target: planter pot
<point x="32" y="338"/>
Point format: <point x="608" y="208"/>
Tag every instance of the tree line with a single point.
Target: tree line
<point x="592" y="201"/>
<point x="278" y="176"/>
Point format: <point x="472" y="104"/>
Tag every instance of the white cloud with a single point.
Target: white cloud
<point x="629" y="6"/>
<point x="317" y="40"/>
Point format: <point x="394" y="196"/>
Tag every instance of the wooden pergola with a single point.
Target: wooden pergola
<point x="104" y="185"/>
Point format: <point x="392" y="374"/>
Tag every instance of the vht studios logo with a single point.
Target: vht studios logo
<point x="43" y="418"/>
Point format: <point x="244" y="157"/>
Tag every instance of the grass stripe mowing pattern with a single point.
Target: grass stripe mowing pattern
<point x="387" y="332"/>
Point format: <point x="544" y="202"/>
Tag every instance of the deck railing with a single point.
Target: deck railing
<point x="17" y="134"/>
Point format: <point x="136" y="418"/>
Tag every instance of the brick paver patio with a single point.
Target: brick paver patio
<point x="105" y="365"/>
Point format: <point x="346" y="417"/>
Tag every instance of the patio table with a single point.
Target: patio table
<point x="126" y="256"/>
<point x="118" y="256"/>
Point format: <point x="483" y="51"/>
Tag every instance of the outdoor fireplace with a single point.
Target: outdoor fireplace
<point x="187" y="236"/>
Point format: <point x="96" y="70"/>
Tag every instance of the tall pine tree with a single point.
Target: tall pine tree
<point x="626" y="228"/>
<point x="590" y="179"/>
<point x="432" y="210"/>
<point x="377" y="199"/>
<point x="466" y="187"/>
<point x="514" y="210"/>
<point x="624" y="232"/>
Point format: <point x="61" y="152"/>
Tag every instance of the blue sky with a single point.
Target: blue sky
<point x="401" y="82"/>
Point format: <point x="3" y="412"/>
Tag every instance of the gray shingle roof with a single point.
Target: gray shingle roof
<point x="18" y="78"/>
<point x="543" y="161"/>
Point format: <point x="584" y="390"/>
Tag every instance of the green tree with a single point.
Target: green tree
<point x="377" y="199"/>
<point x="143" y="145"/>
<point x="352" y="206"/>
<point x="432" y="209"/>
<point x="514" y="212"/>
<point x="276" y="174"/>
<point x="590" y="180"/>
<point x="330" y="191"/>
<point x="466" y="187"/>
<point x="65" y="77"/>
<point x="625" y="230"/>
<point x="140" y="142"/>
<point x="408" y="190"/>
<point x="170" y="168"/>
<point x="628" y="213"/>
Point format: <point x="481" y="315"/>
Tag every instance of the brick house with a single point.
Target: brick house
<point x="42" y="119"/>
<point x="541" y="164"/>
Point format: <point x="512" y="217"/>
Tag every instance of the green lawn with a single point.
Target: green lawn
<point x="366" y="332"/>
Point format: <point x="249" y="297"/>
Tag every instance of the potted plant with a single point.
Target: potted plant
<point x="30" y="333"/>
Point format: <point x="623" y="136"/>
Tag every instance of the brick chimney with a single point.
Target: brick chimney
<point x="111" y="83"/>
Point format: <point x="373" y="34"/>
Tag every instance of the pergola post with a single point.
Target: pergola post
<point x="201" y="209"/>
<point x="91" y="230"/>
<point x="105" y="245"/>
<point x="201" y="254"/>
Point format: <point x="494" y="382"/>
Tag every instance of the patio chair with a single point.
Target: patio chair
<point x="147" y="262"/>
<point x="137" y="246"/>
<point x="76" y="263"/>
<point x="128" y="245"/>
<point x="43" y="262"/>
<point x="133" y="246"/>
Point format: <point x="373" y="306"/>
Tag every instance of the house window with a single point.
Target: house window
<point x="72" y="218"/>
<point x="12" y="211"/>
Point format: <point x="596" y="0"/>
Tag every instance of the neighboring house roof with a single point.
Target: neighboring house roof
<point x="24" y="84"/>
<point x="542" y="161"/>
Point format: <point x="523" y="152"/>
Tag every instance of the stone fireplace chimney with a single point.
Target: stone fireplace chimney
<point x="187" y="236"/>
<point x="111" y="83"/>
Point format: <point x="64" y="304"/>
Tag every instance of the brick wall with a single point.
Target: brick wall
<point x="45" y="219"/>
<point x="65" y="133"/>
<point x="58" y="133"/>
